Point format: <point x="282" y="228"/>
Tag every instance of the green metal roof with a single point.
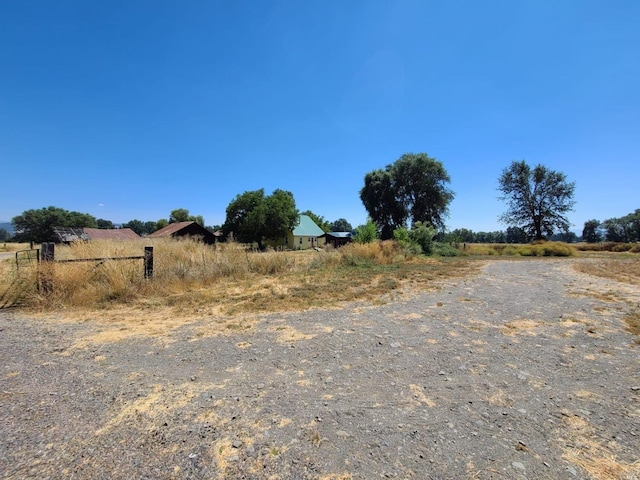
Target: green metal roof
<point x="307" y="228"/>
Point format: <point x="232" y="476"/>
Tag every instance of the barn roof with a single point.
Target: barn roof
<point x="170" y="229"/>
<point x="179" y="229"/>
<point x="111" y="234"/>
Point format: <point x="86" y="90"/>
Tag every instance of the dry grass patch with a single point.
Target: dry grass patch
<point x="520" y="327"/>
<point x="624" y="269"/>
<point x="583" y="448"/>
<point x="193" y="280"/>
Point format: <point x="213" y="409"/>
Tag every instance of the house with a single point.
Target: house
<point x="73" y="234"/>
<point x="185" y="229"/>
<point x="305" y="235"/>
<point x="337" y="239"/>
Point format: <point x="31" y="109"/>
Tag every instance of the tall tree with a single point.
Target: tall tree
<point x="591" y="232"/>
<point x="340" y="225"/>
<point x="413" y="189"/>
<point x="182" y="215"/>
<point x="538" y="199"/>
<point x="37" y="225"/>
<point x="102" y="223"/>
<point x="137" y="226"/>
<point x="254" y="217"/>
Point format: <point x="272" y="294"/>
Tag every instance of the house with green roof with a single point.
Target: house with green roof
<point x="305" y="235"/>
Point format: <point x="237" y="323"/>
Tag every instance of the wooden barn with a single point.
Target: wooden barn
<point x="186" y="229"/>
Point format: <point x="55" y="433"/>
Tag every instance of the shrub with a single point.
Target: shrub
<point x="423" y="235"/>
<point x="367" y="233"/>
<point x="445" y="250"/>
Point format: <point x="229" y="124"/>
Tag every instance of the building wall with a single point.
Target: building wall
<point x="295" y="242"/>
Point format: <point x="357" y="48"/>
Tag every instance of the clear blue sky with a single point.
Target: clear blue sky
<point x="130" y="109"/>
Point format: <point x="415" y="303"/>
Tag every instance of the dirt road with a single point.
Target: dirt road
<point x="524" y="371"/>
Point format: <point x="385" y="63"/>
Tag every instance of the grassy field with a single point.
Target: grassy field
<point x="191" y="278"/>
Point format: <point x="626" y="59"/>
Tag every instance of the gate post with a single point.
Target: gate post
<point x="47" y="253"/>
<point x="148" y="262"/>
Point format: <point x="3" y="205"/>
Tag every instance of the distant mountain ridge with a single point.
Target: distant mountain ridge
<point x="8" y="226"/>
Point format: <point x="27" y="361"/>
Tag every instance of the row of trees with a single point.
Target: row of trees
<point x="251" y="217"/>
<point x="411" y="192"/>
<point x="622" y="229"/>
<point x="415" y="189"/>
<point x="37" y="225"/>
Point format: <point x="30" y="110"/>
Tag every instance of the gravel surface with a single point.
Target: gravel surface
<point x="523" y="371"/>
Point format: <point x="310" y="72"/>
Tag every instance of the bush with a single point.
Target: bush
<point x="367" y="233"/>
<point x="445" y="250"/>
<point x="423" y="235"/>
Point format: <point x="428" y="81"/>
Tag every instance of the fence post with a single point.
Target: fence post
<point x="47" y="254"/>
<point x="148" y="262"/>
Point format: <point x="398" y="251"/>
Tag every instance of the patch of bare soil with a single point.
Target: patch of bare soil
<point x="524" y="371"/>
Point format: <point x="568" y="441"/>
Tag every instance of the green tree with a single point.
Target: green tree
<point x="623" y="229"/>
<point x="182" y="215"/>
<point x="367" y="233"/>
<point x="37" y="225"/>
<point x="340" y="225"/>
<point x="318" y="220"/>
<point x="413" y="189"/>
<point x="516" y="235"/>
<point x="254" y="217"/>
<point x="591" y="233"/>
<point x="135" y="225"/>
<point x="538" y="199"/>
<point x="105" y="223"/>
<point x="4" y="235"/>
<point x="463" y="235"/>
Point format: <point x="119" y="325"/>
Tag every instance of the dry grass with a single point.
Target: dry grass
<point x="542" y="249"/>
<point x="598" y="458"/>
<point x="13" y="247"/>
<point x="621" y="268"/>
<point x="194" y="279"/>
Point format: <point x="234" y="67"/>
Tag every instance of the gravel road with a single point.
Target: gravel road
<point x="523" y="371"/>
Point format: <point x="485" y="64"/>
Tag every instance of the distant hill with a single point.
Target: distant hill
<point x="8" y="226"/>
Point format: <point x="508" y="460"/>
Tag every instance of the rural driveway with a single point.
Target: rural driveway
<point x="523" y="371"/>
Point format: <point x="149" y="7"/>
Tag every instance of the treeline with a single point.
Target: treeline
<point x="623" y="229"/>
<point x="510" y="235"/>
<point x="37" y="225"/>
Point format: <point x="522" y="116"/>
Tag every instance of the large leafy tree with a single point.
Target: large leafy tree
<point x="591" y="233"/>
<point x="413" y="189"/>
<point x="340" y="225"/>
<point x="37" y="225"/>
<point x="538" y="199"/>
<point x="254" y="217"/>
<point x="102" y="223"/>
<point x="182" y="215"/>
<point x="623" y="229"/>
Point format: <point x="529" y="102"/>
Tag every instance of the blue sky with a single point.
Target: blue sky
<point x="130" y="109"/>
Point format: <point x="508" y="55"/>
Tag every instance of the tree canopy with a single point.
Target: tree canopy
<point x="592" y="231"/>
<point x="36" y="225"/>
<point x="413" y="189"/>
<point x="538" y="199"/>
<point x="340" y="225"/>
<point x="623" y="229"/>
<point x="182" y="215"/>
<point x="254" y="217"/>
